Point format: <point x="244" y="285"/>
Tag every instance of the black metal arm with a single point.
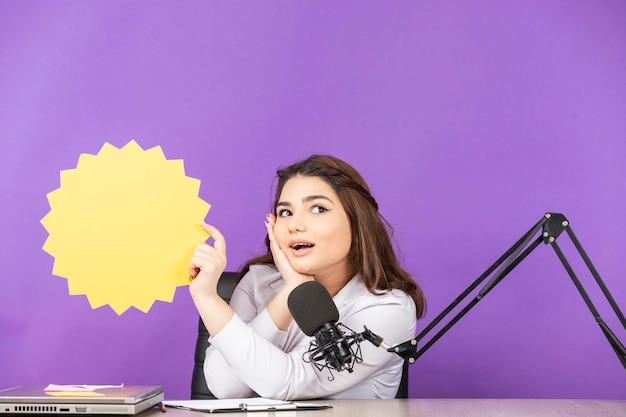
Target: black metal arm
<point x="551" y="227"/>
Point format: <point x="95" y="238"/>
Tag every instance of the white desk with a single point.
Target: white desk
<point x="442" y="408"/>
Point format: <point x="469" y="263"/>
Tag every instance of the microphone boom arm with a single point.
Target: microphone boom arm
<point x="551" y="226"/>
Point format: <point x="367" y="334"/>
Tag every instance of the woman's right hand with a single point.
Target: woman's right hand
<point x="291" y="277"/>
<point x="278" y="308"/>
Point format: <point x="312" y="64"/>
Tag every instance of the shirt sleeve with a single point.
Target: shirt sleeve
<point x="220" y="379"/>
<point x="272" y="373"/>
<point x="248" y="301"/>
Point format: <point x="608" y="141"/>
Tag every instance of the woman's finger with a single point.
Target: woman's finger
<point x="207" y="258"/>
<point x="219" y="242"/>
<point x="277" y="253"/>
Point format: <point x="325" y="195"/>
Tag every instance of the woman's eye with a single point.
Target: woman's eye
<point x="319" y="209"/>
<point x="284" y="213"/>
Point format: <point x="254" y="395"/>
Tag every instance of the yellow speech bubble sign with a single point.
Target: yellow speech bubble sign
<point x="123" y="225"/>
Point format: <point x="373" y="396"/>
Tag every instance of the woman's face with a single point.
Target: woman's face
<point x="313" y="230"/>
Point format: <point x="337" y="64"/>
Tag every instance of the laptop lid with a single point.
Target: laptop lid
<point x="125" y="400"/>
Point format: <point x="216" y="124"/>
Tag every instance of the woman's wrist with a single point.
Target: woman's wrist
<point x="291" y="284"/>
<point x="204" y="296"/>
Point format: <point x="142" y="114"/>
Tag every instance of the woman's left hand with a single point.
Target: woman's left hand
<point x="207" y="264"/>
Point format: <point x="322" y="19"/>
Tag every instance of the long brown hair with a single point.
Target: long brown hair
<point x="371" y="254"/>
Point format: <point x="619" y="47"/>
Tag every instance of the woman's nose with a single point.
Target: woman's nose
<point x="296" y="226"/>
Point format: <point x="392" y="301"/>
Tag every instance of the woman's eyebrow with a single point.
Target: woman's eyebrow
<point x="304" y="200"/>
<point x="315" y="197"/>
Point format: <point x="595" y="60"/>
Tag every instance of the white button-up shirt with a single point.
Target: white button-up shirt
<point x="251" y="356"/>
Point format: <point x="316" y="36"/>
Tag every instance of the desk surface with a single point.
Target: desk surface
<point x="444" y="408"/>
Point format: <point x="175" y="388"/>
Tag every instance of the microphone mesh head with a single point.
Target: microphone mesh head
<point x="311" y="307"/>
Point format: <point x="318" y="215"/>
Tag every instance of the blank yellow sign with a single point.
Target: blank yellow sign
<point x="123" y="225"/>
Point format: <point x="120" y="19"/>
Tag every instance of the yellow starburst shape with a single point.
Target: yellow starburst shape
<point x="123" y="225"/>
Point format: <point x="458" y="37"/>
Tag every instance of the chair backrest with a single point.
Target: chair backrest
<point x="403" y="389"/>
<point x="199" y="389"/>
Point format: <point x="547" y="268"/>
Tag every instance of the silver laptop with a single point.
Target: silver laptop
<point x="127" y="400"/>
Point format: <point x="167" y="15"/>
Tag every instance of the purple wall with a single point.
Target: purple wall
<point x="469" y="119"/>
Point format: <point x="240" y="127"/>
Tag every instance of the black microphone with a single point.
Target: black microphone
<point x="315" y="313"/>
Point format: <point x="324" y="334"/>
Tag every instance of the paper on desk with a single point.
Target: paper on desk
<point x="75" y="394"/>
<point x="241" y="404"/>
<point x="66" y="388"/>
<point x="78" y="388"/>
<point x="71" y="391"/>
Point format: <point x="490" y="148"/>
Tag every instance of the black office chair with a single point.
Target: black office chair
<point x="403" y="389"/>
<point x="199" y="389"/>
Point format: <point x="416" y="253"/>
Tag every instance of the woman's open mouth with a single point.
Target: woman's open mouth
<point x="301" y="247"/>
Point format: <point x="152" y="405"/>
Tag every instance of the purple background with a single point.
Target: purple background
<point x="469" y="119"/>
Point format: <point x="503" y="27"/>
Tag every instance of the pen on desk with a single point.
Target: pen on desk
<point x="268" y="407"/>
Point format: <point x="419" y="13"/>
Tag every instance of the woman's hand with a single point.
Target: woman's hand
<point x="277" y="308"/>
<point x="291" y="277"/>
<point x="205" y="268"/>
<point x="207" y="264"/>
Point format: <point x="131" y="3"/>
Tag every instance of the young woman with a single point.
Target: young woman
<point x="325" y="227"/>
